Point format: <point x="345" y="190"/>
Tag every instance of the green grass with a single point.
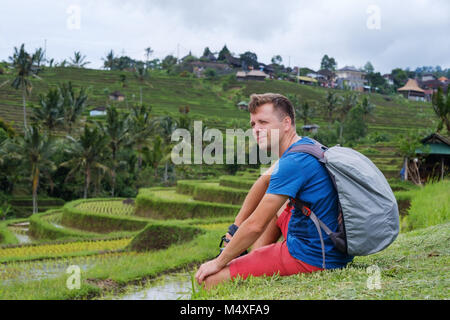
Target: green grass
<point x="429" y="206"/>
<point x="415" y="266"/>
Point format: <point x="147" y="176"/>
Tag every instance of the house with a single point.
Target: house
<point x="412" y="91"/>
<point x="428" y="77"/>
<point x="233" y="62"/>
<point x="389" y="79"/>
<point x="326" y="78"/>
<point x="210" y="57"/>
<point x="99" y="111"/>
<point x="434" y="157"/>
<point x="243" y="105"/>
<point x="251" y="75"/>
<point x="351" y="77"/>
<point x="431" y="86"/>
<point x="306" y="80"/>
<point x="240" y="75"/>
<point x="310" y="128"/>
<point x="116" y="96"/>
<point x="443" y="80"/>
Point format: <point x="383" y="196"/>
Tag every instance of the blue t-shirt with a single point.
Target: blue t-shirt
<point x="302" y="176"/>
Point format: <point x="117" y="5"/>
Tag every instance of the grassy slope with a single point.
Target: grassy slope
<point x="415" y="266"/>
<point x="205" y="98"/>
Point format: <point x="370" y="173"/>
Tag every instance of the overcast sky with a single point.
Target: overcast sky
<point x="388" y="33"/>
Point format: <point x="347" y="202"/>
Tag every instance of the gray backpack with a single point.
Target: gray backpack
<point x="368" y="213"/>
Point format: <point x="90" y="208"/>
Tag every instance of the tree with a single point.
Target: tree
<point x="23" y="63"/>
<point x="223" y="53"/>
<point x="141" y="128"/>
<point x="116" y="128"/>
<point x="148" y="53"/>
<point x="399" y="77"/>
<point x="206" y="52"/>
<point x="168" y="63"/>
<point x="36" y="149"/>
<point x="249" y="59"/>
<point x="303" y="110"/>
<point x="328" y="63"/>
<point x="331" y="104"/>
<point x="109" y="60"/>
<point x="368" y="67"/>
<point x="86" y="154"/>
<point x="349" y="101"/>
<point x="356" y="127"/>
<point x="441" y="107"/>
<point x="73" y="105"/>
<point x="367" y="107"/>
<point x="78" y="60"/>
<point x="166" y="126"/>
<point x="276" y="59"/>
<point x="39" y="57"/>
<point x="50" y="111"/>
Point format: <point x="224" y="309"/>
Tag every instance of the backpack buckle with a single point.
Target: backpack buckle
<point x="306" y="211"/>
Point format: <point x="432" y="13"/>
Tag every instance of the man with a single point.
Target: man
<point x="267" y="212"/>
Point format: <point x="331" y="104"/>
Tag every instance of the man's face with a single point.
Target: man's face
<point x="266" y="123"/>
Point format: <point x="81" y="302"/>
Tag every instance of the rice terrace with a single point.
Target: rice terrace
<point x="93" y="206"/>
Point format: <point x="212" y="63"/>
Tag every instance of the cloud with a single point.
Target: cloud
<point x="300" y="31"/>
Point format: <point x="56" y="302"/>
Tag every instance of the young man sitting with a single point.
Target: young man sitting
<point x="267" y="211"/>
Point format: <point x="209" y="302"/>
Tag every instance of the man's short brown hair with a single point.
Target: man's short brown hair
<point x="280" y="103"/>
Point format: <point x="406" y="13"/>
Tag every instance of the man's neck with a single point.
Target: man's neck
<point x="290" y="139"/>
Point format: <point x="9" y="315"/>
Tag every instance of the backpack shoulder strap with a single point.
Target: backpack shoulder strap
<point x="317" y="150"/>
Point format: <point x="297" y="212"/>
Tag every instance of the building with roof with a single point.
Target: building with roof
<point x="117" y="96"/>
<point x="412" y="91"/>
<point x="252" y="75"/>
<point x="351" y="77"/>
<point x="306" y="80"/>
<point x="435" y="154"/>
<point x="99" y="111"/>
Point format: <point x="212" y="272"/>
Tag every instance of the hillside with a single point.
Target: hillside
<point x="206" y="98"/>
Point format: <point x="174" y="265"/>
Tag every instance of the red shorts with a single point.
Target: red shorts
<point x="271" y="259"/>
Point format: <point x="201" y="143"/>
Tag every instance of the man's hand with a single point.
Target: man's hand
<point x="207" y="269"/>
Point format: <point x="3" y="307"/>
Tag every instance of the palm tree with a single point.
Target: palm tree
<point x="73" y="105"/>
<point x="23" y="63"/>
<point x="349" y="101"/>
<point x="78" y="60"/>
<point x="166" y="126"/>
<point x="86" y="154"/>
<point x="39" y="57"/>
<point x="50" y="113"/>
<point x="331" y="105"/>
<point x="116" y="129"/>
<point x="141" y="127"/>
<point x="109" y="60"/>
<point x="36" y="149"/>
<point x="441" y="107"/>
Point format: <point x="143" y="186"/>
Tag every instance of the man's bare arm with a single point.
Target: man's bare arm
<point x="254" y="196"/>
<point x="252" y="227"/>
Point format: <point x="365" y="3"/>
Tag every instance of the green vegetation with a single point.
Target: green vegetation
<point x="415" y="266"/>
